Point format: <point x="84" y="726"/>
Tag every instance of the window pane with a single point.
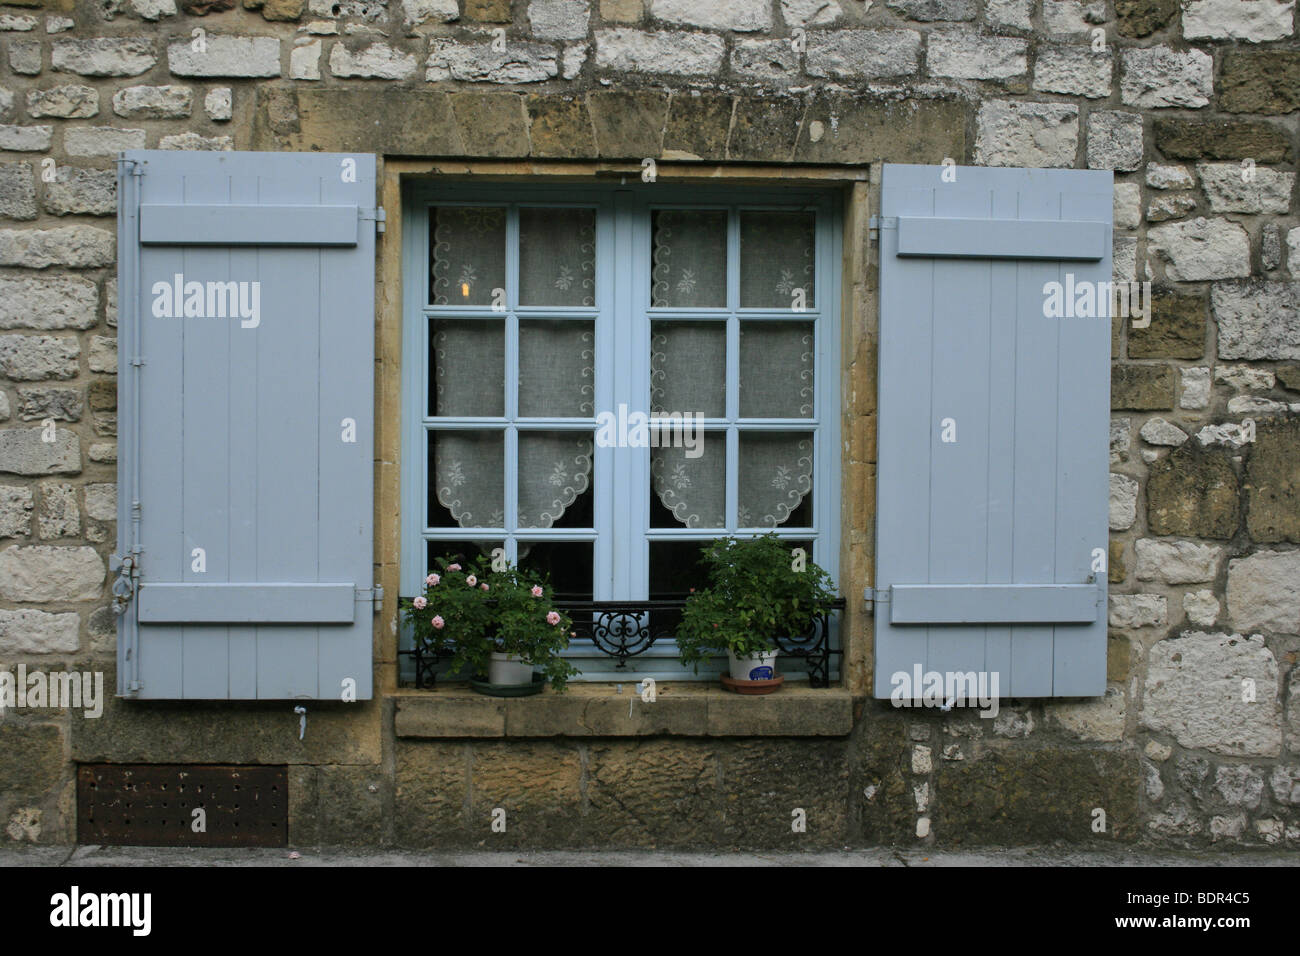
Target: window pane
<point x="466" y="479"/>
<point x="775" y="470"/>
<point x="776" y="369"/>
<point x="557" y="257"/>
<point x="776" y="260"/>
<point x="689" y="259"/>
<point x="468" y="248"/>
<point x="460" y="552"/>
<point x="688" y="368"/>
<point x="675" y="568"/>
<point x="568" y="564"/>
<point x="468" y="360"/>
<point x="557" y="363"/>
<point x="688" y="492"/>
<point x="554" y="471"/>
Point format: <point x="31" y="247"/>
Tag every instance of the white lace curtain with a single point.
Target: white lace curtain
<point x="687" y="360"/>
<point x="556" y="362"/>
<point x="688" y="363"/>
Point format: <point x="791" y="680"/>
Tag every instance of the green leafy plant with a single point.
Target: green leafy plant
<point x="468" y="611"/>
<point x="757" y="591"/>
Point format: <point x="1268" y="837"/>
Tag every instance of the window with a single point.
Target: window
<point x="547" y="327"/>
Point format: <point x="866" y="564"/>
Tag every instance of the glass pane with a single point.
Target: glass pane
<point x="460" y="552"/>
<point x="467" y="367"/>
<point x="689" y="259"/>
<point x="554" y="472"/>
<point x="776" y="260"/>
<point x="466" y="479"/>
<point x="568" y="565"/>
<point x="557" y="362"/>
<point x="675" y="568"/>
<point x="775" y="471"/>
<point x="776" y="369"/>
<point x="557" y="257"/>
<point x="468" y="248"/>
<point x="689" y="492"/>
<point x="688" y="368"/>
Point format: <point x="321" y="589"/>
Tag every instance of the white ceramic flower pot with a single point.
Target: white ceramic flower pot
<point x="753" y="666"/>
<point x="508" y="669"/>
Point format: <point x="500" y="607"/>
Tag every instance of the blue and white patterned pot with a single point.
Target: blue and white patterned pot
<point x="753" y="666"/>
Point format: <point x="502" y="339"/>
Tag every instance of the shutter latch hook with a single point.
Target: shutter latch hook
<point x="302" y="721"/>
<point x="124" y="586"/>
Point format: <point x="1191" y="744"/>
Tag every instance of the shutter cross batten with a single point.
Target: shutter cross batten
<point x="992" y="491"/>
<point x="246" y="301"/>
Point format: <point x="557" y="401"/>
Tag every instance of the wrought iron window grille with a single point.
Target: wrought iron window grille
<point x="622" y="630"/>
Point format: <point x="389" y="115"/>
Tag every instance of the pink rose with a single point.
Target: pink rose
<point x="553" y="618"/>
<point x="453" y="567"/>
<point x="537" y="590"/>
<point x="471" y="580"/>
<point x="438" y="622"/>
<point x="420" y="604"/>
<point x="484" y="586"/>
<point x="432" y="580"/>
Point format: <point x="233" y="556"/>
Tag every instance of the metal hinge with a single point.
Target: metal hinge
<point x="374" y="595"/>
<point x="137" y="167"/>
<point x="876" y="223"/>
<point x="128" y="577"/>
<point x="872" y="597"/>
<point x="377" y="216"/>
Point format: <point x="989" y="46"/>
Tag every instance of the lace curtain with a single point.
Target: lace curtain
<point x="777" y="361"/>
<point x="556" y="362"/>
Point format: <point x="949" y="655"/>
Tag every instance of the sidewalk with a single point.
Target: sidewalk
<point x="92" y="856"/>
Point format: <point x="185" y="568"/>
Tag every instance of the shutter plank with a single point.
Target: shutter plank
<point x="973" y="236"/>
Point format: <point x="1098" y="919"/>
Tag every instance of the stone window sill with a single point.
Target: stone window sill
<point x="686" y="709"/>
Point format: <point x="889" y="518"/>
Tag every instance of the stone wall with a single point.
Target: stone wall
<point x="1192" y="103"/>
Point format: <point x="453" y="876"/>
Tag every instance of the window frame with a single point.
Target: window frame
<point x="623" y="229"/>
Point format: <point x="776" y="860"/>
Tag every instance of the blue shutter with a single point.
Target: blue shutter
<point x="233" y="437"/>
<point x="986" y="545"/>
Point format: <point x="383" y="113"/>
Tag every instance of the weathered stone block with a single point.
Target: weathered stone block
<point x="771" y="60"/>
<point x="481" y="63"/>
<point x="1193" y="492"/>
<point x="1158" y="76"/>
<point x="698" y="125"/>
<point x="1194" y="692"/>
<point x="16" y="507"/>
<point x="232" y="56"/>
<point x="105" y="56"/>
<point x="1235" y="20"/>
<point x="1264" y="591"/>
<point x="1269" y="190"/>
<point x="22" y="452"/>
<point x="738" y="15"/>
<point x="26" y="139"/>
<point x="34" y="767"/>
<point x="154" y="102"/>
<point x="17" y="191"/>
<point x="1272" y="483"/>
<point x="653" y="793"/>
<point x="927" y="11"/>
<point x="1176" y="562"/>
<point x="1141" y="387"/>
<point x="854" y="129"/>
<point x="628" y="124"/>
<point x="1141" y="18"/>
<point x="863" y="53"/>
<point x="765" y="130"/>
<point x="65" y="102"/>
<point x="377" y="61"/>
<point x="101" y="140"/>
<point x="1123" y="502"/>
<point x="59" y="515"/>
<point x="1258" y="319"/>
<point x="491" y="124"/>
<point x="670" y="52"/>
<point x="33" y="358"/>
<point x="1177" y="328"/>
<point x="971" y="56"/>
<point x="1220" y="139"/>
<point x="536" y="783"/>
<point x="1032" y="796"/>
<point x="1259" y="81"/>
<point x="1128" y="611"/>
<point x="40" y="573"/>
<point x="1200" y="249"/>
<point x="568" y="19"/>
<point x="765" y="781"/>
<point x="430" y="792"/>
<point x="1012" y="133"/>
<point x="1114" y="140"/>
<point x="559" y="127"/>
<point x="1073" y="71"/>
<point x="87" y="192"/>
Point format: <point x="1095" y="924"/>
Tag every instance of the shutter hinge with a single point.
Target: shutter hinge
<point x="872" y="597"/>
<point x="377" y="215"/>
<point x="136" y="167"/>
<point x="374" y="595"/>
<point x="876" y="223"/>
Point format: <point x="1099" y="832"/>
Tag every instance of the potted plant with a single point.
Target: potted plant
<point x="500" y="626"/>
<point x="757" y="591"/>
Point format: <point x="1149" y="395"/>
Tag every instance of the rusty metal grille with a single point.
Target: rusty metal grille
<point x="154" y="804"/>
